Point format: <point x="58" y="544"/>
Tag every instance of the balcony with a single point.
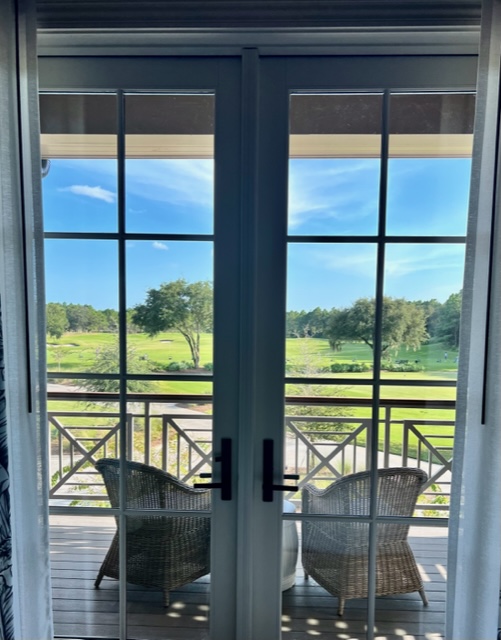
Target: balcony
<point x="175" y="434"/>
<point x="77" y="549"/>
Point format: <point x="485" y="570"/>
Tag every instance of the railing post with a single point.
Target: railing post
<point x="368" y="444"/>
<point x="165" y="442"/>
<point x="387" y="436"/>
<point x="405" y="443"/>
<point x="61" y="458"/>
<point x="147" y="433"/>
<point x="130" y="436"/>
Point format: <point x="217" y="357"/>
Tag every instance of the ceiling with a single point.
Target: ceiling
<point x="210" y="14"/>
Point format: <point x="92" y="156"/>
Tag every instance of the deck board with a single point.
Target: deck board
<point x="81" y="611"/>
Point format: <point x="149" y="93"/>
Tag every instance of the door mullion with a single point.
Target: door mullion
<point x="268" y="332"/>
<point x="248" y="181"/>
<point x="223" y="598"/>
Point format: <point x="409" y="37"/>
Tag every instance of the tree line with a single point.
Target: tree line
<point x="404" y="323"/>
<point x="63" y="317"/>
<point x="187" y="308"/>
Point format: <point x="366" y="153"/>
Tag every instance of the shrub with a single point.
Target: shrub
<point x="208" y="366"/>
<point x="350" y="367"/>
<point x="401" y="367"/>
<point x="179" y="366"/>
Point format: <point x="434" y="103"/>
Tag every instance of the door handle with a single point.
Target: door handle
<point x="225" y="458"/>
<point x="268" y="485"/>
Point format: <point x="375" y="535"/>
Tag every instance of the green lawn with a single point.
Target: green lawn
<point x="316" y="353"/>
<point x="76" y="352"/>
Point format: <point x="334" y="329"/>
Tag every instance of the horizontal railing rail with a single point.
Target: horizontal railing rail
<point x="163" y="430"/>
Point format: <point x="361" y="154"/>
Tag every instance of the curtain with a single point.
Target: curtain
<point x="24" y="354"/>
<point x="6" y="614"/>
<point x="474" y="559"/>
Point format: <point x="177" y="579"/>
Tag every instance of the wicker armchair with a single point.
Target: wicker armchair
<point x="162" y="552"/>
<point x="335" y="553"/>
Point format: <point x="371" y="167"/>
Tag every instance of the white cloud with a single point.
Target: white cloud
<point x="177" y="181"/>
<point x="400" y="261"/>
<point x="403" y="261"/>
<point x="325" y="190"/>
<point x="160" y="245"/>
<point x="91" y="192"/>
<point x="346" y="259"/>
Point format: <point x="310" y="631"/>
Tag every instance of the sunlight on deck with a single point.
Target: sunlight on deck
<point x="78" y="546"/>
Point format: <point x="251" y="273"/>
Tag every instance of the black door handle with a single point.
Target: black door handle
<point x="268" y="485"/>
<point x="225" y="458"/>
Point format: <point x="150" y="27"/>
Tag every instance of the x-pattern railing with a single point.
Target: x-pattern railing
<point x="438" y="465"/>
<point x="312" y="447"/>
<point x="78" y="454"/>
<point x="184" y="446"/>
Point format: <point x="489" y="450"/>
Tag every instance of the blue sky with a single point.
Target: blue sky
<point x="326" y="197"/>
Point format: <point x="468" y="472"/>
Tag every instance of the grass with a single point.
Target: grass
<point x="76" y="352"/>
<point x="316" y="352"/>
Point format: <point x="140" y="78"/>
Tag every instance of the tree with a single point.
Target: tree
<point x="56" y="319"/>
<point x="307" y="324"/>
<point x="323" y="430"/>
<point x="431" y="309"/>
<point x="83" y="317"/>
<point x="449" y="320"/>
<point x="108" y="361"/>
<point x="403" y="323"/>
<point x="178" y="305"/>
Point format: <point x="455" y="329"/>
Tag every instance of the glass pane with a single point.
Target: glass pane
<point x="78" y="546"/>
<point x="82" y="318"/>
<point x="430" y="148"/>
<point x="421" y="311"/>
<point x="170" y="297"/>
<point x="168" y="581"/>
<point x="172" y="433"/>
<point x="331" y="575"/>
<point x="334" y="166"/>
<point x="170" y="163"/>
<point x="410" y="561"/>
<point x="79" y="147"/>
<point x="325" y="282"/>
<point x="82" y="431"/>
<point x="328" y="431"/>
<point x="417" y="431"/>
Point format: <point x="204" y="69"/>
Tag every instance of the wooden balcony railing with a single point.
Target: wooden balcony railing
<point x="175" y="433"/>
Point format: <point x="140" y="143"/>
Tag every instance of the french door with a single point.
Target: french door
<point x="213" y="228"/>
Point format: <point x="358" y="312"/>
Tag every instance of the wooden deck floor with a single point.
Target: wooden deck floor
<point x="78" y="546"/>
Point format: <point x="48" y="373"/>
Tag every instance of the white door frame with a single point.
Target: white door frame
<point x="250" y="303"/>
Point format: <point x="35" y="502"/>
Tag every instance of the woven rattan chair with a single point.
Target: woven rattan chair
<point x="162" y="552"/>
<point x="335" y="553"/>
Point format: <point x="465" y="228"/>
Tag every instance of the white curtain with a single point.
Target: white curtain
<point x="20" y="287"/>
<point x="474" y="560"/>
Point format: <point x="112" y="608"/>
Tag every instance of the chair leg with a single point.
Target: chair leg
<point x="340" y="609"/>
<point x="424" y="598"/>
<point x="306" y="575"/>
<point x="166" y="598"/>
<point x="99" y="578"/>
